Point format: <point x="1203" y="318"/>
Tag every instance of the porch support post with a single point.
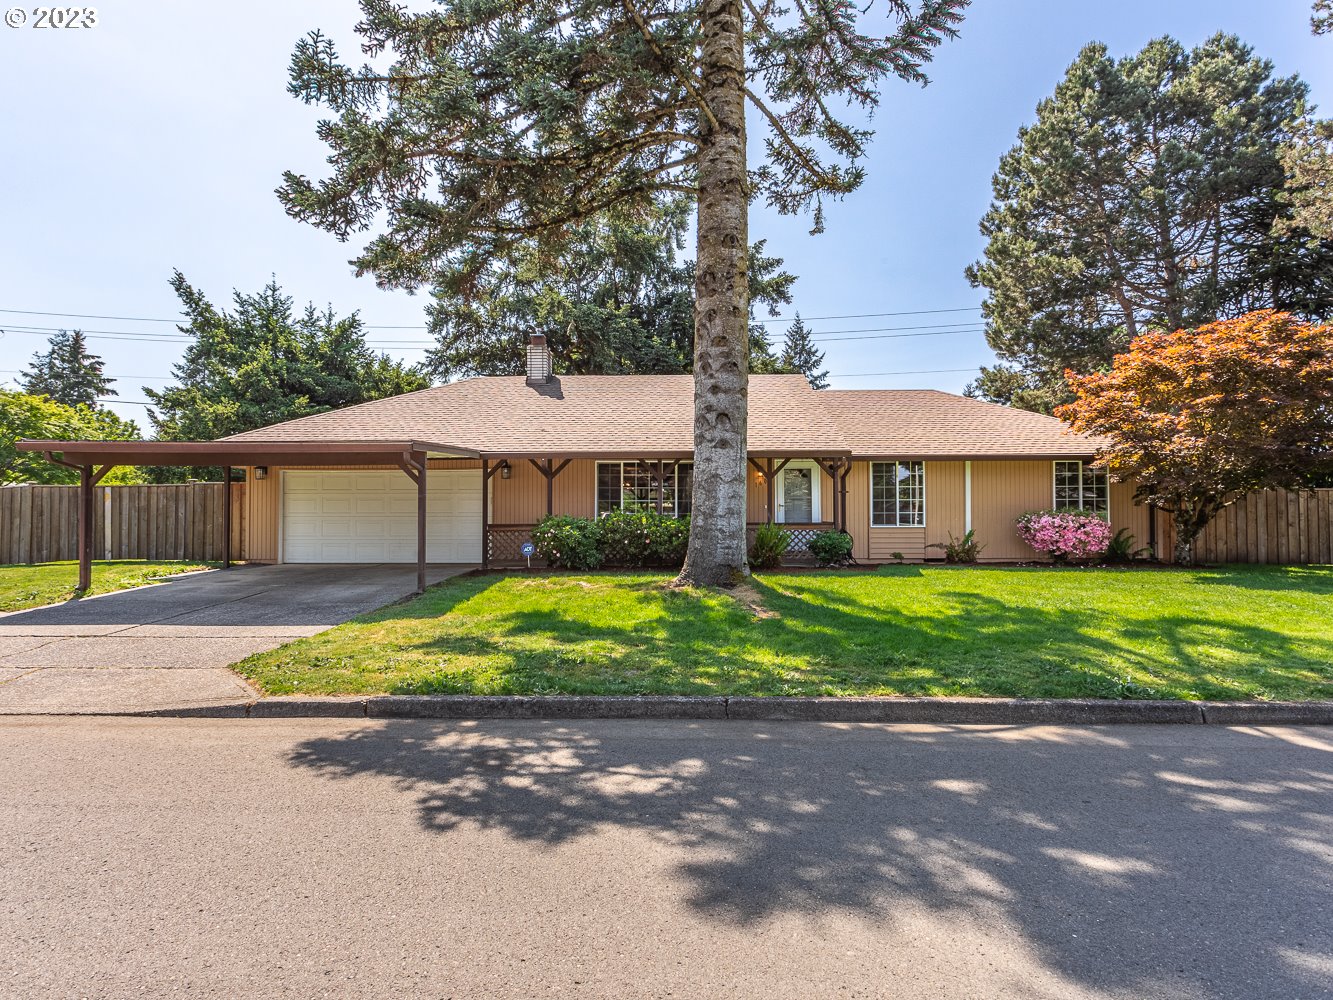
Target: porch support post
<point x="840" y="498"/>
<point x="549" y="471"/>
<point x="485" y="513"/>
<point x="769" y="490"/>
<point x="659" y="486"/>
<point x="226" y="517"/>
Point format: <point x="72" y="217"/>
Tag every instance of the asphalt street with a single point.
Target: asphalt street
<point x="312" y="858"/>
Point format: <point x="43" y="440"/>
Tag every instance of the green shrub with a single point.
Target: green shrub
<point x="569" y="542"/>
<point x="960" y="550"/>
<point x="770" y="545"/>
<point x="831" y="548"/>
<point x="1120" y="549"/>
<point x="636" y="538"/>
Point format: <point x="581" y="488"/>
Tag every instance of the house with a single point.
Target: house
<point x="900" y="470"/>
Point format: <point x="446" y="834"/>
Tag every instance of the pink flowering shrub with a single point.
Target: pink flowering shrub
<point x="1066" y="535"/>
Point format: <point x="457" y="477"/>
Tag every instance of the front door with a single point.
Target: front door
<point x="798" y="496"/>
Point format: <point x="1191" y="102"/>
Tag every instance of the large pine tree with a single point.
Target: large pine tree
<point x="67" y="373"/>
<point x="1145" y="195"/>
<point x="500" y="121"/>
<point x="612" y="299"/>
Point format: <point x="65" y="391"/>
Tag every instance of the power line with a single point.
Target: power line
<point x="971" y="323"/>
<point x="422" y="326"/>
<point x="817" y="319"/>
<point x="152" y="319"/>
<point x="898" y="336"/>
<point x="113" y="378"/>
<point x="821" y="336"/>
<point x="923" y="371"/>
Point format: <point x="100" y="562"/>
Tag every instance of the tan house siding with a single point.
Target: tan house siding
<point x="1125" y="513"/>
<point x="945" y="506"/>
<point x="858" y="510"/>
<point x="521" y="499"/>
<point x="756" y="497"/>
<point x="1000" y="492"/>
<point x="908" y="542"/>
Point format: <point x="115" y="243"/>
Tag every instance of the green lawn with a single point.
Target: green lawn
<point x="1233" y="633"/>
<point x="49" y="583"/>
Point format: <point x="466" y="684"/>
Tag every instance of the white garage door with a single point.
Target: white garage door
<point x="365" y="517"/>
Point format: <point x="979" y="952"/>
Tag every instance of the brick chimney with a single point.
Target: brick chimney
<point x="539" y="360"/>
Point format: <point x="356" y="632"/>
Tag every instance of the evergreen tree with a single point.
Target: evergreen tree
<point x="611" y="300"/>
<point x="501" y="122"/>
<point x="66" y="372"/>
<point x="1321" y="17"/>
<point x="799" y="355"/>
<point x="1144" y="196"/>
<point x="262" y="362"/>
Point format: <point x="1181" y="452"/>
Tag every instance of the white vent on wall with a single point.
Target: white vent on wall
<point x="539" y="360"/>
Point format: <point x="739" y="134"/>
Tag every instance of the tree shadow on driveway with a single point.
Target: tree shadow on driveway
<point x="1171" y="862"/>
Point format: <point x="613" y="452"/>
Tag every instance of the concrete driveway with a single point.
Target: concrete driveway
<point x="168" y="645"/>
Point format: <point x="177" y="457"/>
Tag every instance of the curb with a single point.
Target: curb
<point x="945" y="711"/>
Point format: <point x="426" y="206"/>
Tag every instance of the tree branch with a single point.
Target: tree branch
<point x="810" y="165"/>
<point x="682" y="76"/>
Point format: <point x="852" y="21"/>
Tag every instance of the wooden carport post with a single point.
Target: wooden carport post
<point x="87" y="480"/>
<point x="226" y="517"/>
<point x="414" y="464"/>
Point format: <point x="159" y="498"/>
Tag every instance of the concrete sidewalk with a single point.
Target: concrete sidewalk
<point x="166" y="647"/>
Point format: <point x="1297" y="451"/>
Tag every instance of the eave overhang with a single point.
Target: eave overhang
<point x="242" y="453"/>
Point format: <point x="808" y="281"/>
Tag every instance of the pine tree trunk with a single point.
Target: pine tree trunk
<point x="717" y="549"/>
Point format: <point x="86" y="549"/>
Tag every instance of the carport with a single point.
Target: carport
<point x="94" y="459"/>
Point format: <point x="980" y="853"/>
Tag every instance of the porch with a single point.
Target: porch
<point x="802" y="493"/>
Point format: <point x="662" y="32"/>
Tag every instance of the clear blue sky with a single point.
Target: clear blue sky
<point x="155" y="140"/>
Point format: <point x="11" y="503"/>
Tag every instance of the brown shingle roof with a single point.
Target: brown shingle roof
<point x="574" y="415"/>
<point x="925" y="423"/>
<point x="653" y="415"/>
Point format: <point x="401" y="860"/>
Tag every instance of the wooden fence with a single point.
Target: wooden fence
<point x="1275" y="526"/>
<point x="40" y="523"/>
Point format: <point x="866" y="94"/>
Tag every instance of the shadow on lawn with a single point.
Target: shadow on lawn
<point x="1164" y="868"/>
<point x="1304" y="579"/>
<point x="825" y="641"/>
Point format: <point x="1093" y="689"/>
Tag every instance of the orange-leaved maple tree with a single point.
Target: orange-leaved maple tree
<point x="1198" y="418"/>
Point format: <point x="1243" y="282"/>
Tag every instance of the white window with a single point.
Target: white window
<point x="1078" y="486"/>
<point x="897" y="494"/>
<point x="630" y="486"/>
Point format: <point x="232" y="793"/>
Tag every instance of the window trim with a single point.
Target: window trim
<point x="871" y="491"/>
<point x="674" y="512"/>
<point x="1082" y="465"/>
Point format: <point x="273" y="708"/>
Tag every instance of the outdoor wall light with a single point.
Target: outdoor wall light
<point x="261" y="471"/>
<point x="506" y="471"/>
